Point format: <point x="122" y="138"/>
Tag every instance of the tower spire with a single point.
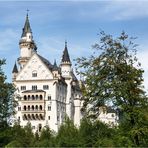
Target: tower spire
<point x="15" y="70"/>
<point x="26" y="43"/>
<point x="65" y="57"/>
<point x="27" y="28"/>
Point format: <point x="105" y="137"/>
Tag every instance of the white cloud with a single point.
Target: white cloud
<point x="124" y="9"/>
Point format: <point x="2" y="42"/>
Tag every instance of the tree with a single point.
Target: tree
<point x="67" y="135"/>
<point x="6" y="98"/>
<point x="46" y="138"/>
<point x="95" y="134"/>
<point x="113" y="75"/>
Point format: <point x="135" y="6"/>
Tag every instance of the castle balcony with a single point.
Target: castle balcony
<point x="33" y="116"/>
<point x="33" y="96"/>
<point x="32" y="111"/>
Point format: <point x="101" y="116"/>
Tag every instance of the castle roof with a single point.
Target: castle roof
<point x="15" y="70"/>
<point x="27" y="28"/>
<point x="65" y="57"/>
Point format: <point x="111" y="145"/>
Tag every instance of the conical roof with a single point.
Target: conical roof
<point x="27" y="28"/>
<point x="65" y="57"/>
<point x="15" y="70"/>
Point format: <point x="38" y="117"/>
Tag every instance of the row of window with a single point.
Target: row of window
<point x="34" y="87"/>
<point x="33" y="97"/>
<point x="33" y="107"/>
<point x="33" y="117"/>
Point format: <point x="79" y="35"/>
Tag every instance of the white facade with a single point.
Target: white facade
<point x="45" y="92"/>
<point x="108" y="116"/>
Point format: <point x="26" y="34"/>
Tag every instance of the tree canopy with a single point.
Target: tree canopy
<point x="113" y="75"/>
<point x="6" y="98"/>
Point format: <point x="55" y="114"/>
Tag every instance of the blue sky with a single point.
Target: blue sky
<point x="77" y="21"/>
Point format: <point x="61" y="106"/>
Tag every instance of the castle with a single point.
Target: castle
<point x="45" y="92"/>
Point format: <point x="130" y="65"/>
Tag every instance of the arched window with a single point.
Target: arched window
<point x="41" y="117"/>
<point x="36" y="116"/>
<point x="28" y="107"/>
<point x="33" y="97"/>
<point x="29" y="117"/>
<point x="36" y="107"/>
<point x="25" y="107"/>
<point x="41" y="97"/>
<point x="25" y="97"/>
<point x="37" y="97"/>
<point x="25" y="117"/>
<point x="32" y="107"/>
<point x="28" y="97"/>
<point x="40" y="107"/>
<point x="34" y="73"/>
<point x="33" y="117"/>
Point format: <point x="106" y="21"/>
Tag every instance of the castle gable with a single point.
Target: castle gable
<point x="36" y="68"/>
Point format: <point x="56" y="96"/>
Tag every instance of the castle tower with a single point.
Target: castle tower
<point x="26" y="44"/>
<point x="66" y="63"/>
<point x="66" y="71"/>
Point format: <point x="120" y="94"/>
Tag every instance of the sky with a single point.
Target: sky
<point x="76" y="21"/>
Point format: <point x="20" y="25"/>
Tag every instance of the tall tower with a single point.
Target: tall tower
<point x="66" y="71"/>
<point x="66" y="63"/>
<point x="26" y="44"/>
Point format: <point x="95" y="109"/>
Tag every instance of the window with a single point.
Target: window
<point x="19" y="108"/>
<point x="40" y="107"/>
<point x="32" y="107"/>
<point x="58" y="119"/>
<point x="33" y="97"/>
<point x="25" y="108"/>
<point x="48" y="117"/>
<point x="34" y="87"/>
<point x="23" y="87"/>
<point x="40" y="127"/>
<point x="45" y="87"/>
<point x="49" y="97"/>
<point x="34" y="74"/>
<point x="112" y="115"/>
<point x="41" y="97"/>
<point x="49" y="108"/>
<point x="25" y="97"/>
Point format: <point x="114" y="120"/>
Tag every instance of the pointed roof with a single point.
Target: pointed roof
<point x="15" y="70"/>
<point x="55" y="67"/>
<point x="65" y="57"/>
<point x="27" y="28"/>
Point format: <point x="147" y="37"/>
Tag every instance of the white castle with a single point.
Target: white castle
<point x="45" y="92"/>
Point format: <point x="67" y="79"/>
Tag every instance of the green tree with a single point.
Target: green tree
<point x="95" y="133"/>
<point x="67" y="135"/>
<point x="6" y="98"/>
<point x="47" y="138"/>
<point x="113" y="74"/>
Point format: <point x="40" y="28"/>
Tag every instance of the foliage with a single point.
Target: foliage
<point x="67" y="135"/>
<point x="113" y="74"/>
<point x="94" y="134"/>
<point x="46" y="138"/>
<point x="6" y="98"/>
